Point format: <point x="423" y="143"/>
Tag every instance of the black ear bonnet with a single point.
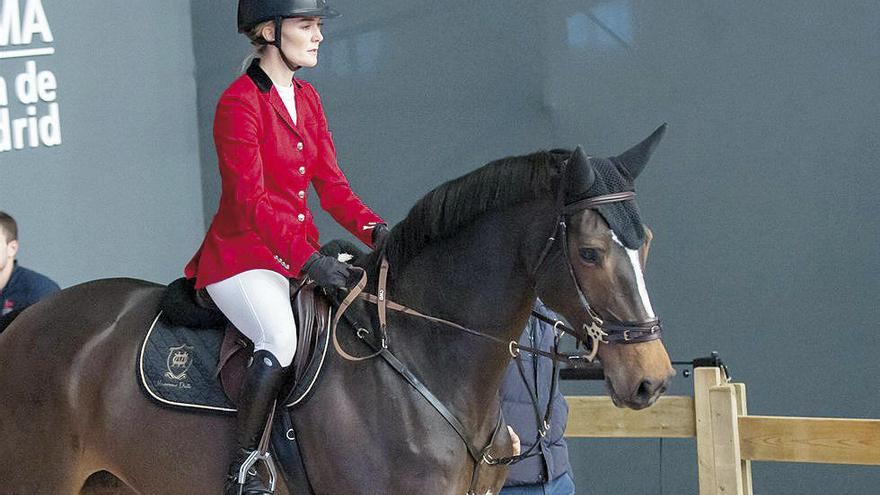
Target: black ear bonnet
<point x="587" y="177"/>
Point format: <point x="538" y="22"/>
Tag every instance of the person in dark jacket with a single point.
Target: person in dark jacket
<point x="19" y="287"/>
<point x="548" y="472"/>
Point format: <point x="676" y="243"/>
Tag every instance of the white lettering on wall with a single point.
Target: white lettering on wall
<point x="18" y="27"/>
<point x="33" y="118"/>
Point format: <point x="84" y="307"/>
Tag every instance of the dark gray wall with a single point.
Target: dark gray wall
<point x="120" y="195"/>
<point x="761" y="197"/>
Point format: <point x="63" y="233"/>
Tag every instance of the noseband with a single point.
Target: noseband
<point x="597" y="330"/>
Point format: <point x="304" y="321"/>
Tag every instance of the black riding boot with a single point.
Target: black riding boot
<point x="262" y="380"/>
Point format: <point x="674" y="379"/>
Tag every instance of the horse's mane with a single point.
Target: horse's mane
<point x="455" y="204"/>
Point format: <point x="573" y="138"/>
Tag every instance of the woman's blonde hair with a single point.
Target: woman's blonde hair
<point x="258" y="42"/>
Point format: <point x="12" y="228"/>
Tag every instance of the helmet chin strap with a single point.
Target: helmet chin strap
<point x="290" y="65"/>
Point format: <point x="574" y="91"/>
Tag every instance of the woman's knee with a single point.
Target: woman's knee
<point x="282" y="345"/>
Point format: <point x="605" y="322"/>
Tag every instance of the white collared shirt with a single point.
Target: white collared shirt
<point x="286" y="94"/>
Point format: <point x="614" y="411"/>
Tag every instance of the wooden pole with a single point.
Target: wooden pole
<point x="725" y="440"/>
<point x="742" y="410"/>
<point x="704" y="379"/>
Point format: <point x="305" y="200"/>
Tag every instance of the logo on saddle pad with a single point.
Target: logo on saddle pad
<point x="179" y="360"/>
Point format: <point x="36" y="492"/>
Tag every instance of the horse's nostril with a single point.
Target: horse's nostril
<point x="646" y="389"/>
<point x="650" y="388"/>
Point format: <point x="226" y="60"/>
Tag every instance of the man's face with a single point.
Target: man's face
<point x="8" y="249"/>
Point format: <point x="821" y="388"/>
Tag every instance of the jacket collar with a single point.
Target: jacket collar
<point x="261" y="79"/>
<point x="264" y="85"/>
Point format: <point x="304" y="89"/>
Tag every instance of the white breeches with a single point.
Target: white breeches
<point x="257" y="302"/>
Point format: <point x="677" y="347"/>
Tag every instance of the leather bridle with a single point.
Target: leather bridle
<point x="597" y="330"/>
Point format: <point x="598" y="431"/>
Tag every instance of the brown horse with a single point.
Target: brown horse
<point x="476" y="251"/>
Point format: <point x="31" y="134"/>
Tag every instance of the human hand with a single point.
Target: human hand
<point x="514" y="438"/>
<point x="327" y="272"/>
<point x="380" y="232"/>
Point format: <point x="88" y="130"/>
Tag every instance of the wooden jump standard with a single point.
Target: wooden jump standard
<point x="728" y="439"/>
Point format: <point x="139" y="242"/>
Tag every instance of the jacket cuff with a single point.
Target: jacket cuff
<point x="311" y="259"/>
<point x="367" y="229"/>
<point x="300" y="254"/>
<point x="378" y="228"/>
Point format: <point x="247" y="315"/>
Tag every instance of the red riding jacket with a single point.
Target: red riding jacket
<point x="266" y="163"/>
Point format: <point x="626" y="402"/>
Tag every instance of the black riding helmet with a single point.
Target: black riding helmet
<point x="253" y="12"/>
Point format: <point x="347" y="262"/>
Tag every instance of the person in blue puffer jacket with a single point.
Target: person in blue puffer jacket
<point x="549" y="472"/>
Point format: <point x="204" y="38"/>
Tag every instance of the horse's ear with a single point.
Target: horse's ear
<point x="635" y="158"/>
<point x="580" y="174"/>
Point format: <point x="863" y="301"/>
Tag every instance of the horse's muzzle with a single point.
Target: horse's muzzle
<point x="645" y="394"/>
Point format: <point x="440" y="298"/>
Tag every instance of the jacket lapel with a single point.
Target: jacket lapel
<point x="264" y="84"/>
<point x="281" y="110"/>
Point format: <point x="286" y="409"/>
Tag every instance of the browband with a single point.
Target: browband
<point x="598" y="200"/>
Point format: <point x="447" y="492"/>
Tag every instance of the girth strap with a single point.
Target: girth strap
<point x="287" y="452"/>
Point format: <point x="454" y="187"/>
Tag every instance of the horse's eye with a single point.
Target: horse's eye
<point x="590" y="255"/>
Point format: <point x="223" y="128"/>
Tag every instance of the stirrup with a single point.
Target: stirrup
<point x="252" y="459"/>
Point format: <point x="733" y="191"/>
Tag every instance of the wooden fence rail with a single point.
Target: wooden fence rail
<point x="728" y="439"/>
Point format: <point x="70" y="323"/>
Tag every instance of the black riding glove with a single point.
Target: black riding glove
<point x="329" y="273"/>
<point x="380" y="232"/>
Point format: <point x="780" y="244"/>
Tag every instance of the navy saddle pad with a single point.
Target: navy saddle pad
<point x="177" y="366"/>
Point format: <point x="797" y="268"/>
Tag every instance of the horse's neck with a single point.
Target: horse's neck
<point x="476" y="279"/>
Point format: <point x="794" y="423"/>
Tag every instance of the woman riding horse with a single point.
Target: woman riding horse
<point x="272" y="140"/>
